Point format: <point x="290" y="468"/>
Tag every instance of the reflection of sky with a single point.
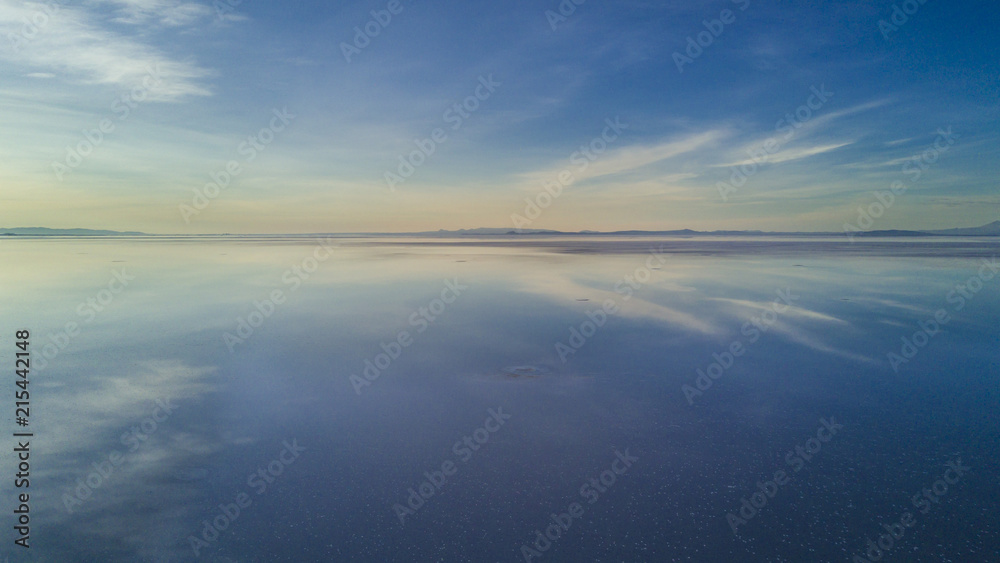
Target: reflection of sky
<point x="162" y="338"/>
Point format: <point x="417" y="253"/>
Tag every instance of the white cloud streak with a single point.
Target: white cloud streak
<point x="75" y="45"/>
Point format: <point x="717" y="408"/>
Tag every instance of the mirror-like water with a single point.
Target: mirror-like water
<point x="398" y="400"/>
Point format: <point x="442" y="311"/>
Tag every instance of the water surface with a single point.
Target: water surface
<point x="325" y="378"/>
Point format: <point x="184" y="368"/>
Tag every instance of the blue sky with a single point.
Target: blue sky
<point x="184" y="84"/>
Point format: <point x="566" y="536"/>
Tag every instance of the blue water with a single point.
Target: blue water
<point x="511" y="372"/>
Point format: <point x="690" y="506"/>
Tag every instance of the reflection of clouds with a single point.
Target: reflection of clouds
<point x="795" y="331"/>
<point x="77" y="416"/>
<point x="794" y="310"/>
<point x="83" y="421"/>
<point x="893" y="304"/>
<point x="561" y="287"/>
<point x="799" y="335"/>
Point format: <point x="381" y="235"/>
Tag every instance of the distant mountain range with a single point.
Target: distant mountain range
<point x="42" y="231"/>
<point x="988" y="230"/>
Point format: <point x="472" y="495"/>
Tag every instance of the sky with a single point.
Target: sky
<point x="174" y="116"/>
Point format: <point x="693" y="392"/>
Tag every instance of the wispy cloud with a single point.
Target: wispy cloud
<point x="625" y="160"/>
<point x="806" y="152"/>
<point x="809" y="138"/>
<point x="792" y="154"/>
<point x="163" y="12"/>
<point x="75" y="45"/>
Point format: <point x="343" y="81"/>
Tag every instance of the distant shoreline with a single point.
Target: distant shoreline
<point x="988" y="230"/>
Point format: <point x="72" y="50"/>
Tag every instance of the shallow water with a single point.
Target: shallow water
<point x="382" y="356"/>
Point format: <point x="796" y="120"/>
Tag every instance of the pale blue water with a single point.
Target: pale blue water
<point x="469" y="338"/>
